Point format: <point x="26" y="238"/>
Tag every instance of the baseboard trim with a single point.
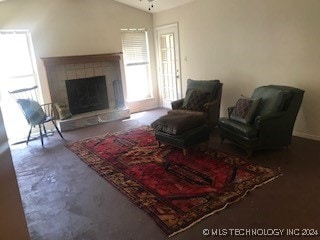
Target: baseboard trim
<point x="305" y="135"/>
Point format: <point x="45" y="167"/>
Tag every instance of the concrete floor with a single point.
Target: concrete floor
<point x="64" y="199"/>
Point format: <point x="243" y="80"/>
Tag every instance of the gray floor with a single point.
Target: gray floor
<point x="64" y="199"/>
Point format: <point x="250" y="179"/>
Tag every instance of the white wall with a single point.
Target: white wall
<point x="249" y="43"/>
<point x="74" y="27"/>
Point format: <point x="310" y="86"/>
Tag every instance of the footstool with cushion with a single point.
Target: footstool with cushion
<point x="181" y="130"/>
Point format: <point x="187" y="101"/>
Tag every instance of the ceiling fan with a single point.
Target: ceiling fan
<point x="150" y="4"/>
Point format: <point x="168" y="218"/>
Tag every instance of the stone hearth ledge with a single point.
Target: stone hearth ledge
<point x="93" y="118"/>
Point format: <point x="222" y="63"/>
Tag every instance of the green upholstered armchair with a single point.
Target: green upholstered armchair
<point x="272" y="123"/>
<point x="203" y="98"/>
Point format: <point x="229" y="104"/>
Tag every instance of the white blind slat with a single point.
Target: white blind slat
<point x="135" y="48"/>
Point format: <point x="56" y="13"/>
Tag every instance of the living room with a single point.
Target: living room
<point x="243" y="43"/>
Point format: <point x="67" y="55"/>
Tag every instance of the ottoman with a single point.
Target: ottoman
<point x="181" y="130"/>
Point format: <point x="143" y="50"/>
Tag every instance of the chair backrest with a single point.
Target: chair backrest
<point x="25" y="93"/>
<point x="277" y="98"/>
<point x="292" y="100"/>
<point x="208" y="90"/>
<point x="211" y="86"/>
<point x="28" y="102"/>
<point x="271" y="99"/>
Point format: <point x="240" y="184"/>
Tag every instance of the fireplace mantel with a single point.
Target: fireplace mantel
<point x="51" y="61"/>
<point x="61" y="69"/>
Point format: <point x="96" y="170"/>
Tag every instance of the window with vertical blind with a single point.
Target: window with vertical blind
<point x="137" y="65"/>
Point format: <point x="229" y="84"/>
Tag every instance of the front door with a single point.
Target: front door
<point x="169" y="64"/>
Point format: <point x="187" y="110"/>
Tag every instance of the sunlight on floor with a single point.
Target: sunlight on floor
<point x="135" y="116"/>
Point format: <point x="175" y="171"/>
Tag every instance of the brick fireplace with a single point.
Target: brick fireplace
<point x="85" y="69"/>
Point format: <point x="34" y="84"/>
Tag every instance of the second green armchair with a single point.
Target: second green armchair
<point x="272" y="123"/>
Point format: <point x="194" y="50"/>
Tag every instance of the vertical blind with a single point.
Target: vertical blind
<point x="135" y="47"/>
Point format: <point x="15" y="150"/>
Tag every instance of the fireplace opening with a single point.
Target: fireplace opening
<point x="87" y="94"/>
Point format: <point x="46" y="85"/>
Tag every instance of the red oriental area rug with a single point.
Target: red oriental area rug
<point x="191" y="188"/>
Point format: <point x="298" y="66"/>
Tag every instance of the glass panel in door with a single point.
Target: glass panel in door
<point x="168" y="67"/>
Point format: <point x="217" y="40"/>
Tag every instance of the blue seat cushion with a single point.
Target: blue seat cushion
<point x="32" y="111"/>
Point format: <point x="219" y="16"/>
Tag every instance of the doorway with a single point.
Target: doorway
<point x="169" y="74"/>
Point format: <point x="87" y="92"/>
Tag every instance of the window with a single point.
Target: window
<point x="16" y="59"/>
<point x="17" y="71"/>
<point x="137" y="64"/>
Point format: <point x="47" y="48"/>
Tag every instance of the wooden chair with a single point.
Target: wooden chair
<point x="35" y="114"/>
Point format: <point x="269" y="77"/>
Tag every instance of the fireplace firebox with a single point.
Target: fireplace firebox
<point x="87" y="94"/>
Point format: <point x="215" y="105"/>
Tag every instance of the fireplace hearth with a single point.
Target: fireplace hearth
<point x="91" y="85"/>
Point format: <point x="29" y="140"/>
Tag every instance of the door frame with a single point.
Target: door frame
<point x="168" y="29"/>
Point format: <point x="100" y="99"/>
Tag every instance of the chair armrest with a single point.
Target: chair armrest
<point x="230" y="110"/>
<point x="274" y="129"/>
<point x="270" y="120"/>
<point x="211" y="105"/>
<point x="49" y="109"/>
<point x="177" y="104"/>
<point x="212" y="109"/>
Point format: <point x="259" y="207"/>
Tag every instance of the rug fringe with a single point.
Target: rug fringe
<point x="226" y="205"/>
